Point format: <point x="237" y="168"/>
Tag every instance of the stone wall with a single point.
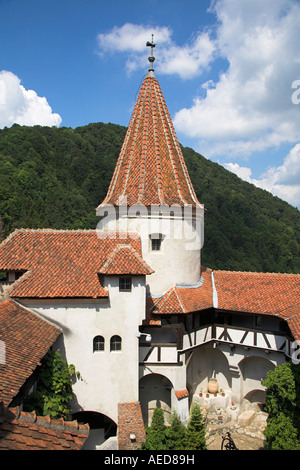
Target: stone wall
<point x="131" y="429"/>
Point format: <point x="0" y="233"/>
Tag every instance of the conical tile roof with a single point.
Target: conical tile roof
<point x="151" y="168"/>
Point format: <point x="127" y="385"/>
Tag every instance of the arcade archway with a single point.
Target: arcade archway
<point x="254" y="370"/>
<point x="155" y="392"/>
<point x="101" y="427"/>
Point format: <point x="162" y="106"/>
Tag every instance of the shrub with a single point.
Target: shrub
<point x="175" y="434"/>
<point x="155" y="434"/>
<point x="54" y="388"/>
<point x="195" y="433"/>
<point x="283" y="407"/>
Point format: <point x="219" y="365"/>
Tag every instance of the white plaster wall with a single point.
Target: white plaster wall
<point x="167" y="354"/>
<point x="176" y="374"/>
<point x="239" y="371"/>
<point x="179" y="260"/>
<point x="106" y="378"/>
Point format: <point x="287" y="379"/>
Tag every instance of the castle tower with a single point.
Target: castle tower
<point x="151" y="193"/>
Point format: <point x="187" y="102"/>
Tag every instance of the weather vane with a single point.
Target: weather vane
<point x="151" y="58"/>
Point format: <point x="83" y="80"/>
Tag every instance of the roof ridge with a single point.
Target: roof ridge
<point x="179" y="299"/>
<point x="151" y="168"/>
<point x="255" y="272"/>
<point x="18" y="281"/>
<point x="58" y="424"/>
<point x="110" y="259"/>
<point x="163" y="120"/>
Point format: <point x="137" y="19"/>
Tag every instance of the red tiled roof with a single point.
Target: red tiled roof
<point x="181" y="394"/>
<point x="60" y="263"/>
<point x="26" y="431"/>
<point x="27" y="338"/>
<point x="248" y="292"/>
<point x="262" y="293"/>
<point x="266" y="293"/>
<point x="125" y="260"/>
<point x="151" y="168"/>
<point x="186" y="299"/>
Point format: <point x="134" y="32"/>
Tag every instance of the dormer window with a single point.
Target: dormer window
<point x="125" y="284"/>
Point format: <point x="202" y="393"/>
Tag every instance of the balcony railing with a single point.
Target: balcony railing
<point x="169" y="353"/>
<point x="238" y="336"/>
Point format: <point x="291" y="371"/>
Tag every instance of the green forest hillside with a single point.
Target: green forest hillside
<point x="56" y="177"/>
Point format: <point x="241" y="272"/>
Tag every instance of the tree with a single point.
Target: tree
<point x="281" y="434"/>
<point x="54" y="388"/>
<point x="156" y="433"/>
<point x="195" y="433"/>
<point x="282" y="405"/>
<point x="175" y="433"/>
<point x="55" y="177"/>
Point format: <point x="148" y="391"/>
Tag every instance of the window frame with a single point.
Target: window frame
<point x="125" y="284"/>
<point x="115" y="343"/>
<point x="97" y="341"/>
<point x="156" y="244"/>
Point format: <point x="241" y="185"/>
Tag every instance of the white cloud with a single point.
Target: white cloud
<point x="250" y="107"/>
<point x="131" y="37"/>
<point x="282" y="181"/>
<point x="21" y="106"/>
<point x="186" y="61"/>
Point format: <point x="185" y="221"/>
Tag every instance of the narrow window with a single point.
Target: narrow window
<point x="115" y="343"/>
<point x="156" y="244"/>
<point x="98" y="343"/>
<point x="125" y="284"/>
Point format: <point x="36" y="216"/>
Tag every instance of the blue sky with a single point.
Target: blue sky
<point x="229" y="71"/>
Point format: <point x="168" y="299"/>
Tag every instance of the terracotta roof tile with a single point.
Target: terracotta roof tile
<point x="26" y="431"/>
<point x="60" y="263"/>
<point x="151" y="168"/>
<point x="268" y="293"/>
<point x="186" y="299"/>
<point x="124" y="259"/>
<point x="27" y="338"/>
<point x="249" y="292"/>
<point x="181" y="394"/>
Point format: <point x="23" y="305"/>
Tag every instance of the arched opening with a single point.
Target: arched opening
<point x="256" y="399"/>
<point x="101" y="428"/>
<point x="155" y="392"/>
<point x="205" y="362"/>
<point x="254" y="370"/>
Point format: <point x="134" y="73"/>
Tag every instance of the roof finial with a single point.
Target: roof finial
<point x="151" y="58"/>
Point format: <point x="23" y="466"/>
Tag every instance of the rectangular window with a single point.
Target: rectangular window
<point x="156" y="244"/>
<point x="125" y="284"/>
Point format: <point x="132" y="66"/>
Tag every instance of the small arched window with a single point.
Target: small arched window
<point x="98" y="343"/>
<point x="115" y="343"/>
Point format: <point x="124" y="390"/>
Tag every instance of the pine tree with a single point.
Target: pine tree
<point x="175" y="434"/>
<point x="195" y="433"/>
<point x="156" y="433"/>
